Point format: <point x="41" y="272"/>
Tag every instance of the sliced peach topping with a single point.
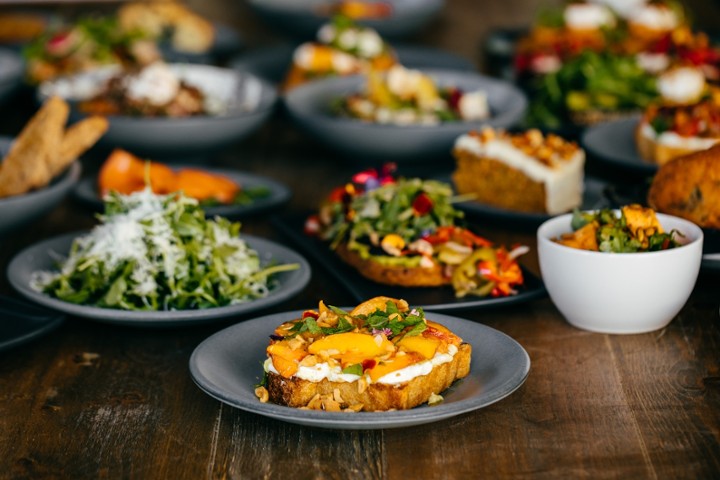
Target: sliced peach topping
<point x="396" y="363"/>
<point x="425" y="346"/>
<point x="354" y="344"/>
<point x="285" y="359"/>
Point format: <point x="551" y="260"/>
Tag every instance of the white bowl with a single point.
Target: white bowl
<point x="619" y="292"/>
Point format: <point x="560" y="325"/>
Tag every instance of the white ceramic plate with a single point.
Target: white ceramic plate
<point x="43" y="256"/>
<point x="228" y="365"/>
<point x="87" y="192"/>
<point x="310" y="106"/>
<point x="249" y="101"/>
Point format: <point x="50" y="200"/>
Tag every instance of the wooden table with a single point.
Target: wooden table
<point x="98" y="401"/>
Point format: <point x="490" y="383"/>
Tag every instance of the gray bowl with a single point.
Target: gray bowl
<point x="11" y="72"/>
<point x="310" y="106"/>
<point x="20" y="210"/>
<point x="249" y="100"/>
<point x="303" y="18"/>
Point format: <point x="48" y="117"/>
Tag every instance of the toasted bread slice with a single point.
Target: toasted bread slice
<point x="26" y="165"/>
<point x="296" y="392"/>
<point x="659" y="153"/>
<point x="399" y="275"/>
<point x="77" y="139"/>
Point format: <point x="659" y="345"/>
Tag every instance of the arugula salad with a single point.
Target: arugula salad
<point x="159" y="252"/>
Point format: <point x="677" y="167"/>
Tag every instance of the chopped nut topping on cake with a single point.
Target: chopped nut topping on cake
<point x="533" y="143"/>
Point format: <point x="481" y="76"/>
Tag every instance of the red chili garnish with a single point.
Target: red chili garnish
<point x="454" y="98"/>
<point x="310" y="313"/>
<point x="368" y="363"/>
<point x="422" y="204"/>
<point x="312" y="225"/>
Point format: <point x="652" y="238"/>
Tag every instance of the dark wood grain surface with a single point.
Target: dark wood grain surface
<point x="98" y="401"/>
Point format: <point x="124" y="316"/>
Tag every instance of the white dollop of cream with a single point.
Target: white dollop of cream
<point x="156" y="84"/>
<point x="474" y="106"/>
<point x="653" y="62"/>
<point x="369" y="43"/>
<point x="682" y="85"/>
<point x="403" y="82"/>
<point x="588" y="16"/>
<point x="655" y="17"/>
<point x="303" y="56"/>
<point x="326" y="33"/>
<point x="624" y="8"/>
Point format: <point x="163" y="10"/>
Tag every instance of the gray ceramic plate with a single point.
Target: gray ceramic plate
<point x="302" y="18"/>
<point x="11" y="72"/>
<point x="249" y="101"/>
<point x="310" y="106"/>
<point x="20" y="210"/>
<point x="23" y="322"/>
<point x="43" y="256"/>
<point x="228" y="365"/>
<point x="613" y="143"/>
<point x="272" y="63"/>
<point x="87" y="192"/>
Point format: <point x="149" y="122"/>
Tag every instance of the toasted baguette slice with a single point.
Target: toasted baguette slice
<point x="394" y="274"/>
<point x="659" y="153"/>
<point x="295" y="392"/>
<point x="687" y="187"/>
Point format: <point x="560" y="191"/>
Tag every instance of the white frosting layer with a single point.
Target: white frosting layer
<point x="322" y="371"/>
<point x="672" y="139"/>
<point x="624" y="8"/>
<point x="563" y="181"/>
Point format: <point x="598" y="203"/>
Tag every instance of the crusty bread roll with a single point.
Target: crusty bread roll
<point x="689" y="187"/>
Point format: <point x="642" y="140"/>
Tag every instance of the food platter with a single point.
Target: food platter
<point x="310" y="106"/>
<point x="278" y="194"/>
<point x="23" y="322"/>
<point x="44" y="255"/>
<point x="248" y="100"/>
<point x="593" y="198"/>
<point x="228" y="365"/>
<point x="438" y="299"/>
<point x="612" y="144"/>
<point x="272" y="63"/>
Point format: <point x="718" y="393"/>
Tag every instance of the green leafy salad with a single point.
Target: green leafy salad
<point x="590" y="82"/>
<point x="635" y="229"/>
<point x="159" y="252"/>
